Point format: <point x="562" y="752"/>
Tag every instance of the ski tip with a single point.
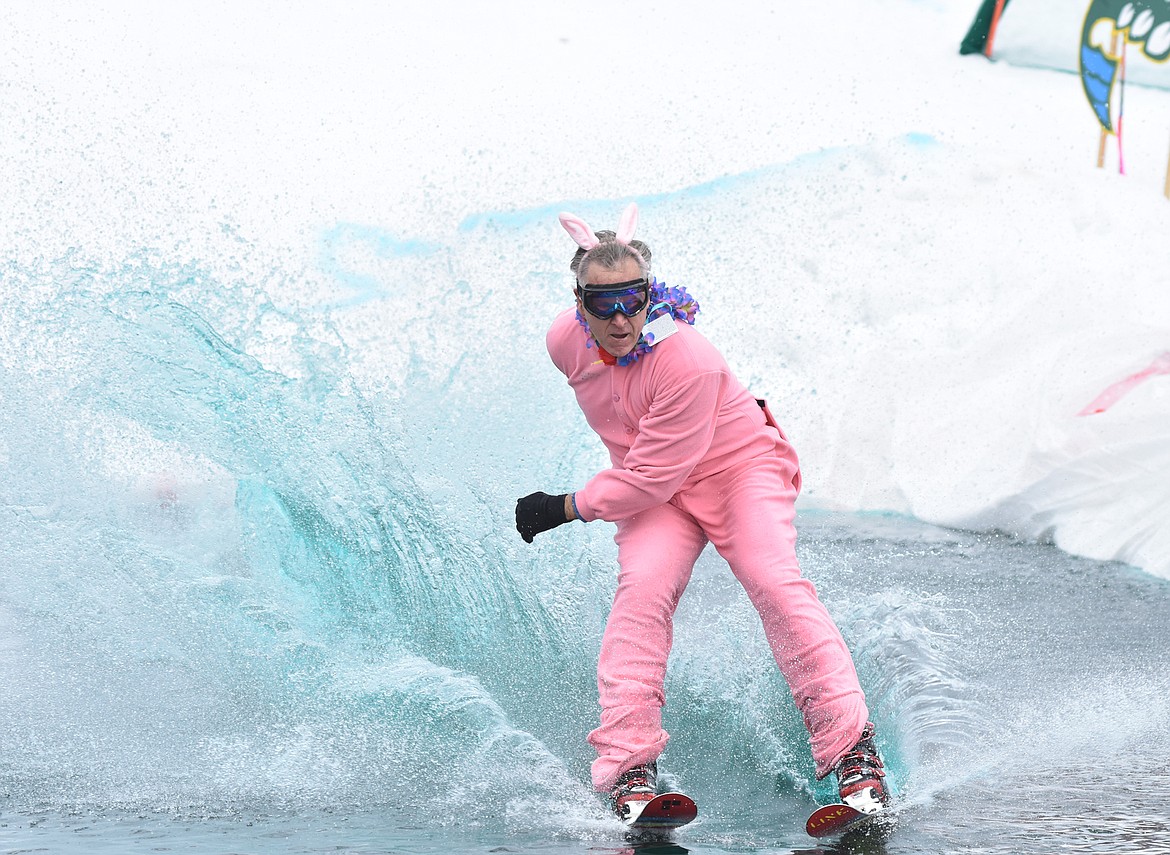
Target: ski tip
<point x="664" y="812"/>
<point x="841" y="819"/>
<point x="829" y="820"/>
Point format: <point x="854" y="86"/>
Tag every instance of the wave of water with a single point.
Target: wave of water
<point x="226" y="583"/>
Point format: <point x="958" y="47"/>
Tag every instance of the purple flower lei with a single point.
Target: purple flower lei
<point x="682" y="305"/>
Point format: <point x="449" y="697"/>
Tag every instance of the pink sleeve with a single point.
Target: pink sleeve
<point x="556" y="340"/>
<point x="672" y="438"/>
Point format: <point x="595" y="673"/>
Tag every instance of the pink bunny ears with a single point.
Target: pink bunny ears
<point x="579" y="230"/>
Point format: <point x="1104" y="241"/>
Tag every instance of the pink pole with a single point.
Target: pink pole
<point x="994" y="26"/>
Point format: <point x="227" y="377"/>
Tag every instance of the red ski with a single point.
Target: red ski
<point x="664" y="812"/>
<point x="832" y="820"/>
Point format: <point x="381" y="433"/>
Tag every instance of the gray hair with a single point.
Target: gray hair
<point x="609" y="255"/>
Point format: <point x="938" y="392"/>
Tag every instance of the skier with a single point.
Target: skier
<point x="696" y="459"/>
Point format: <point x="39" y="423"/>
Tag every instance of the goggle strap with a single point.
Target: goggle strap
<point x="617" y="286"/>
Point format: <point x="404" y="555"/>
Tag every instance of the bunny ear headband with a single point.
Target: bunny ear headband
<point x="579" y="230"/>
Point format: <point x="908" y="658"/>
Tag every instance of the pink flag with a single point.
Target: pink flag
<point x="1121" y="388"/>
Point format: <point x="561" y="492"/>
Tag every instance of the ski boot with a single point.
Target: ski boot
<point x="633" y="790"/>
<point x="861" y="776"/>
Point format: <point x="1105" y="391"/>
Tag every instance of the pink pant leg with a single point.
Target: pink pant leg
<point x="747" y="512"/>
<point x="657" y="550"/>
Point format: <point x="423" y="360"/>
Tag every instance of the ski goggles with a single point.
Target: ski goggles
<point x="605" y="301"/>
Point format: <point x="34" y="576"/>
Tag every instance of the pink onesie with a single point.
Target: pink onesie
<point x="694" y="461"/>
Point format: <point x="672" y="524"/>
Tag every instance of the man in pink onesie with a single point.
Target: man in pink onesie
<point x="696" y="459"/>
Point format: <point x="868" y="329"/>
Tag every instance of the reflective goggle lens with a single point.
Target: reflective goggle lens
<point x="629" y="298"/>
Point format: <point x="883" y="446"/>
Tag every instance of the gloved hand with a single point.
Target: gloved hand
<point x="539" y="512"/>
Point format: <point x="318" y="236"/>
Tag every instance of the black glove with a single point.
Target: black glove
<point x="539" y="512"/>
